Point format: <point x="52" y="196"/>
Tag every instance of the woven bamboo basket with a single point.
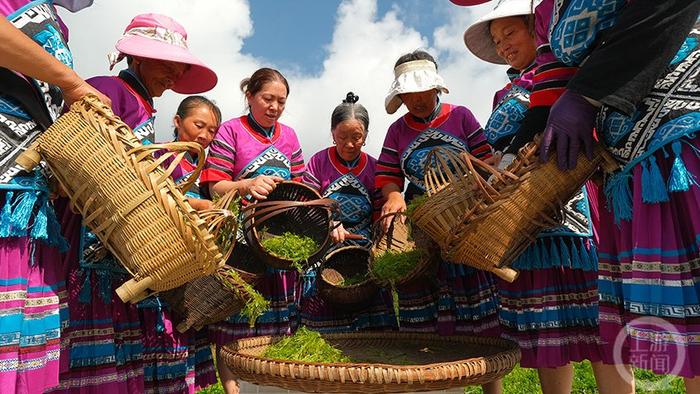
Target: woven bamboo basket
<point x="401" y="237"/>
<point x="339" y="265"/>
<point x="292" y="207"/>
<point x="207" y="300"/>
<point x="450" y="194"/>
<point x="126" y="199"/>
<point x="516" y="207"/>
<point x="387" y="362"/>
<point x="213" y="298"/>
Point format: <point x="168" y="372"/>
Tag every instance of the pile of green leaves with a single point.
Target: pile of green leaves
<point x="255" y="303"/>
<point x="415" y="203"/>
<point x="305" y="345"/>
<point x="290" y="246"/>
<point x="392" y="266"/>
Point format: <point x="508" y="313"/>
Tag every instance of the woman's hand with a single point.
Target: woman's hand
<point x="339" y="233"/>
<point x="261" y="186"/>
<point x="394" y="203"/>
<point x="200" y="204"/>
<point x="79" y="88"/>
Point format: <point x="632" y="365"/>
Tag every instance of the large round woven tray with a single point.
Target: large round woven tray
<point x="341" y="264"/>
<point x="292" y="207"/>
<point x="508" y="221"/>
<point x="126" y="199"/>
<point x="389" y="362"/>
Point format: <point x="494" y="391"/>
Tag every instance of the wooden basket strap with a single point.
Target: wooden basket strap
<point x="175" y="150"/>
<point x="263" y="211"/>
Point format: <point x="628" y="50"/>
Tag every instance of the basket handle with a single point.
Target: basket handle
<point x="438" y="164"/>
<point x="176" y="151"/>
<point x="219" y="216"/>
<point x="264" y="210"/>
<point x="378" y="229"/>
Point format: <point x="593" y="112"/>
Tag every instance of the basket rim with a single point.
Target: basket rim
<point x="509" y="347"/>
<point x="368" y="281"/>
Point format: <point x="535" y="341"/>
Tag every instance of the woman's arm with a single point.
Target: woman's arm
<point x="19" y="53"/>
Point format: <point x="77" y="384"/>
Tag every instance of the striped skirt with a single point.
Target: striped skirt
<point x="551" y="309"/>
<point x="173" y="362"/>
<point x="32" y="312"/>
<point x="457" y="300"/>
<point x="649" y="277"/>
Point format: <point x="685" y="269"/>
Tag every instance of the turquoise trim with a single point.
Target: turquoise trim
<point x="618" y="190"/>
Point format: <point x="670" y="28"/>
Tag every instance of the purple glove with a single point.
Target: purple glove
<point x="570" y="123"/>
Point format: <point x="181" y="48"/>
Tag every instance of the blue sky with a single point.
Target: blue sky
<point x="309" y="25"/>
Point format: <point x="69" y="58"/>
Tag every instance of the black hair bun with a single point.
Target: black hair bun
<point x="351" y="98"/>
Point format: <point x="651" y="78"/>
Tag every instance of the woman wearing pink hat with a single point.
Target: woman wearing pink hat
<point x="118" y="347"/>
<point x="36" y="79"/>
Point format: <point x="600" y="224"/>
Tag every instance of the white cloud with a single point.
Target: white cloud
<point x="360" y="58"/>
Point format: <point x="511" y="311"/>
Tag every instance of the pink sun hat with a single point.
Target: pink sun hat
<point x="468" y="3"/>
<point x="160" y="37"/>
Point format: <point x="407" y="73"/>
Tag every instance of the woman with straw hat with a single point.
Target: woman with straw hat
<point x="115" y="346"/>
<point x="461" y="300"/>
<point x="551" y="309"/>
<point x="36" y="79"/>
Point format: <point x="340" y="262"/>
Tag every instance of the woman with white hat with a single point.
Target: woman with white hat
<point x="461" y="300"/>
<point x="551" y="309"/>
<point x="115" y="346"/>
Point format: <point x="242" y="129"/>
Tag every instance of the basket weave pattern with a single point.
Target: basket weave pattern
<point x="292" y="207"/>
<point x="126" y="199"/>
<point x="529" y="196"/>
<point x="244" y="359"/>
<point x="448" y="184"/>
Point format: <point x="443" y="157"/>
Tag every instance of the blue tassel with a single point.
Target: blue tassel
<point x="681" y="178"/>
<point x="39" y="227"/>
<point x="22" y="212"/>
<point x="53" y="229"/>
<point x="554" y="254"/>
<point x="105" y="277"/>
<point x="594" y="256"/>
<point x="653" y="185"/>
<point x="619" y="196"/>
<point x="85" y="295"/>
<point x="537" y="255"/>
<point x="575" y="255"/>
<point x="6" y="215"/>
<point x="160" y="324"/>
<point x="566" y="259"/>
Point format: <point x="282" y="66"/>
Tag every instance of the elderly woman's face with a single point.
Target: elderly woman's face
<point x="158" y="75"/>
<point x="349" y="137"/>
<point x="514" y="41"/>
<point x="420" y="104"/>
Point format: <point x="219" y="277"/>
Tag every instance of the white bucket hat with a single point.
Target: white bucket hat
<point x="412" y="77"/>
<point x="478" y="36"/>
